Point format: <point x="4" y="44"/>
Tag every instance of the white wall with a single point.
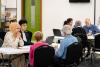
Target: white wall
<point x="11" y="6"/>
<point x="55" y="12"/>
<point x="10" y="3"/>
<point x="18" y="10"/>
<point x="98" y="13"/>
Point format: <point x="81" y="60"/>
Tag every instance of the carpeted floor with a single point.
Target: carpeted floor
<point x="87" y="62"/>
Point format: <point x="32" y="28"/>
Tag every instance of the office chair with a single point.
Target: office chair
<point x="73" y="56"/>
<point x="96" y="47"/>
<point x="1" y="42"/>
<point x="44" y="56"/>
<point x="2" y="34"/>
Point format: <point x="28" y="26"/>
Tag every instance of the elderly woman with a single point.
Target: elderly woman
<point x="13" y="39"/>
<point x="38" y="37"/>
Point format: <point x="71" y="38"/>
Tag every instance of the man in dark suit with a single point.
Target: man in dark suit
<point x="26" y="35"/>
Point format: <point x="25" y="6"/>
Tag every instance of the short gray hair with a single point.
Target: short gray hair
<point x="67" y="29"/>
<point x="77" y="23"/>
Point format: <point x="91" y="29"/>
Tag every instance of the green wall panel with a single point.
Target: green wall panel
<point x="37" y="15"/>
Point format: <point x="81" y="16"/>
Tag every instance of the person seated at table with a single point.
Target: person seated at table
<point x="90" y="28"/>
<point x="6" y="29"/>
<point x="79" y="31"/>
<point x="38" y="37"/>
<point x="68" y="40"/>
<point x="25" y="34"/>
<point x="69" y="21"/>
<point x="13" y="39"/>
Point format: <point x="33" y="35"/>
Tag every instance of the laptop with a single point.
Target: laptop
<point x="57" y="32"/>
<point x="49" y="40"/>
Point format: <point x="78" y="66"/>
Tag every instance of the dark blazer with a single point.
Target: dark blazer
<point x="28" y="35"/>
<point x="80" y="32"/>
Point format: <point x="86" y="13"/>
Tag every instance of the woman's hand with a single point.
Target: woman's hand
<point x="19" y="35"/>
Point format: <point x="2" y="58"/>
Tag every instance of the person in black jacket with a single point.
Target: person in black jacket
<point x="25" y="34"/>
<point x="79" y="31"/>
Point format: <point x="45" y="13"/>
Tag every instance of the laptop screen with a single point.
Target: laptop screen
<point x="57" y="32"/>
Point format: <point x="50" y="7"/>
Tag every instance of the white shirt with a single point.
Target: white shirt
<point x="24" y="36"/>
<point x="10" y="41"/>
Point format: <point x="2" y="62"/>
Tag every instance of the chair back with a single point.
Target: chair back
<point x="97" y="41"/>
<point x="2" y="34"/>
<point x="44" y="56"/>
<point x="74" y="53"/>
<point x="1" y="42"/>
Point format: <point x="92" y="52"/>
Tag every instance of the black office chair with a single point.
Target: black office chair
<point x="44" y="56"/>
<point x="96" y="47"/>
<point x="97" y="41"/>
<point x="1" y="42"/>
<point x="73" y="56"/>
<point x="2" y="34"/>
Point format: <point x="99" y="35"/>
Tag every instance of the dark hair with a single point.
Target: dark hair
<point x="22" y="21"/>
<point x="67" y="21"/>
<point x="13" y="20"/>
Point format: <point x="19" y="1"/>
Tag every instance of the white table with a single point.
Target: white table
<point x="20" y="50"/>
<point x="13" y="51"/>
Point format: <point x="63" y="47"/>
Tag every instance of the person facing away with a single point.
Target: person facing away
<point x="25" y="34"/>
<point x="78" y="28"/>
<point x="68" y="40"/>
<point x="13" y="39"/>
<point x="69" y="21"/>
<point x="38" y="37"/>
<point x="90" y="28"/>
<point x="79" y="31"/>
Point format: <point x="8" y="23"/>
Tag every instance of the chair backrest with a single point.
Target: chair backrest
<point x="97" y="41"/>
<point x="2" y="34"/>
<point x="49" y="40"/>
<point x="1" y="42"/>
<point x="44" y="56"/>
<point x="57" y="32"/>
<point x="74" y="53"/>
